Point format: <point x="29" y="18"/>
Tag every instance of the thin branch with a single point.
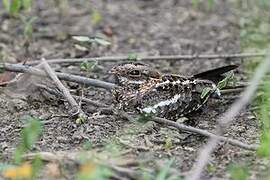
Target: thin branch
<point x="227" y="118"/>
<point x="63" y="76"/>
<point x="153" y="58"/>
<point x="202" y="132"/>
<point x="229" y="91"/>
<point x="63" y="89"/>
<point x="183" y="127"/>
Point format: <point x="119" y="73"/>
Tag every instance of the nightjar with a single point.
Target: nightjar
<point x="146" y="90"/>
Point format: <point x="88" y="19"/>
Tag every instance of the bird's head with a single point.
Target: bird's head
<point x="134" y="73"/>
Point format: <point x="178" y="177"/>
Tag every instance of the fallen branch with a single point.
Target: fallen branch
<point x="63" y="76"/>
<point x="229" y="91"/>
<point x="79" y="112"/>
<point x="202" y="132"/>
<point x="152" y="58"/>
<point x="227" y="118"/>
<point x="185" y="128"/>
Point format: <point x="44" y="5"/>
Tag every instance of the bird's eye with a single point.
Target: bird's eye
<point x="135" y="73"/>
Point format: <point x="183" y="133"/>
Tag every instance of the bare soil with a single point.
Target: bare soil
<point x="148" y="27"/>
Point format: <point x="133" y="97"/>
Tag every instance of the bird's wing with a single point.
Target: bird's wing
<point x="215" y="75"/>
<point x="174" y="96"/>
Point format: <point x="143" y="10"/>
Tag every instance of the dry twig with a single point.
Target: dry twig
<point x="152" y="58"/>
<point x="202" y="132"/>
<point x="63" y="76"/>
<point x="64" y="90"/>
<point x="233" y="90"/>
<point x="183" y="127"/>
<point x="227" y="118"/>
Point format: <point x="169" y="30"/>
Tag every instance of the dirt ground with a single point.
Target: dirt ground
<point x="147" y="27"/>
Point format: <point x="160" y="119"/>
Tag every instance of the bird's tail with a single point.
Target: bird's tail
<point x="216" y="74"/>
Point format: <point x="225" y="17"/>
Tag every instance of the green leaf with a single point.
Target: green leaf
<point x="28" y="27"/>
<point x="26" y="4"/>
<point x="205" y="92"/>
<point x="223" y="83"/>
<point x="95" y="171"/>
<point x="168" y="143"/>
<point x="88" y="66"/>
<point x="31" y="132"/>
<point x="195" y="4"/>
<point x="132" y="56"/>
<point x="6" y="4"/>
<point x="164" y="171"/>
<point x="15" y="6"/>
<point x="96" y="17"/>
<point x="29" y="135"/>
<point x="238" y="173"/>
<point x="12" y="6"/>
<point x="80" y="119"/>
<point x="174" y="177"/>
<point x="210" y="4"/>
<point x="87" y="145"/>
<point x="211" y="168"/>
<point x="18" y="154"/>
<point x="264" y="150"/>
<point x="36" y="166"/>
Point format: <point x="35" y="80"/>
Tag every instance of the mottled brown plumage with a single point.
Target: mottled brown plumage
<point x="171" y="96"/>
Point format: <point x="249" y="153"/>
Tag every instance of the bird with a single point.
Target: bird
<point x="144" y="89"/>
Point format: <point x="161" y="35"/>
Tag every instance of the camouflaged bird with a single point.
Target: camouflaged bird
<point x="144" y="89"/>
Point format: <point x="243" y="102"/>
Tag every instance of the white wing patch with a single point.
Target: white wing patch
<point x="176" y="82"/>
<point x="162" y="83"/>
<point x="152" y="109"/>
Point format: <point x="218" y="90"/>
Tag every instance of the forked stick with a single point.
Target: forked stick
<point x="63" y="76"/>
<point x="82" y="116"/>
